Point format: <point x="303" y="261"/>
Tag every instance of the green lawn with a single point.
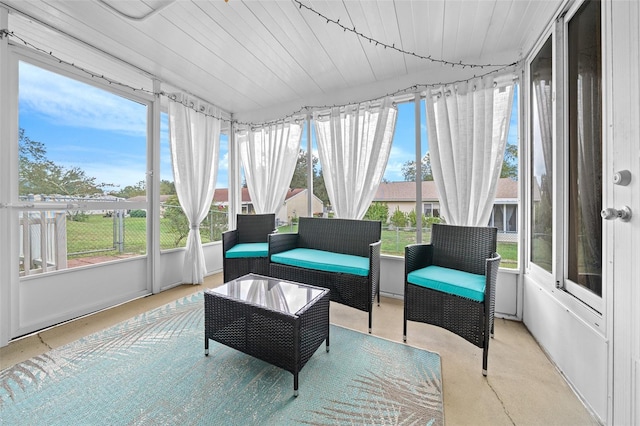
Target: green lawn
<point x="394" y="242"/>
<point x="96" y="235"/>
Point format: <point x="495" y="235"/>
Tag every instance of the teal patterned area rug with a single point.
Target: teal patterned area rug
<point x="151" y="370"/>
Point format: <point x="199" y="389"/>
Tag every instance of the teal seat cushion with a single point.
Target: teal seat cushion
<point x="452" y="281"/>
<point x="323" y="261"/>
<point x="248" y="250"/>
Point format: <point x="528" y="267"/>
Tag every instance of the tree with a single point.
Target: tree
<point x="510" y="162"/>
<point x="299" y="178"/>
<point x="378" y="211"/>
<point x="509" y="166"/>
<point x="409" y="169"/>
<point x="319" y="188"/>
<point x="413" y="219"/>
<point x="178" y="222"/>
<point x="39" y="175"/>
<point x="211" y="228"/>
<point x="167" y="187"/>
<point x="130" y="191"/>
<point x="399" y="218"/>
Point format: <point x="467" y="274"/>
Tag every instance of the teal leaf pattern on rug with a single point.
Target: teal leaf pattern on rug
<point x="388" y="398"/>
<point x="148" y="329"/>
<point x="151" y="369"/>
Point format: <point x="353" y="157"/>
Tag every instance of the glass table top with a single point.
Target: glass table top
<point x="271" y="293"/>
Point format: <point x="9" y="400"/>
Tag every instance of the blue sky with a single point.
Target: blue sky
<point x="105" y="135"/>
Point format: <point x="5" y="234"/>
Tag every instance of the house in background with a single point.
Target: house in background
<point x="402" y="196"/>
<point x="295" y="204"/>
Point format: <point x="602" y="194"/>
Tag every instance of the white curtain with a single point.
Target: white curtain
<point x="194" y="136"/>
<point x="269" y="157"/>
<point x="468" y="126"/>
<point x="353" y="145"/>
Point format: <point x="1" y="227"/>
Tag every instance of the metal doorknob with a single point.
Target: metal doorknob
<point x="623" y="214"/>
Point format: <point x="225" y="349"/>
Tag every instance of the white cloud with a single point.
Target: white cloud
<point x="68" y="102"/>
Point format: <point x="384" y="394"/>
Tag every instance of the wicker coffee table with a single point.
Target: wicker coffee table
<point x="280" y="322"/>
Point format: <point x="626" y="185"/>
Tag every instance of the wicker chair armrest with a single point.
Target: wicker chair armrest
<point x="374" y="250"/>
<point x="374" y="259"/>
<point x="282" y="242"/>
<point x="417" y="256"/>
<point x="493" y="265"/>
<point x="229" y="239"/>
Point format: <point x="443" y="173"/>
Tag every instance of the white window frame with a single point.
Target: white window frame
<point x="19" y="54"/>
<point x="591" y="299"/>
<point x="585" y="303"/>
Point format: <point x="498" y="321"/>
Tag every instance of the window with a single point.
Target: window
<point x="504" y="217"/>
<point x="395" y="202"/>
<point x="396" y="197"/>
<point x="174" y="227"/>
<point x="541" y="190"/>
<point x="566" y="183"/>
<point x="431" y="209"/>
<point x="584" y="79"/>
<point x="82" y="165"/>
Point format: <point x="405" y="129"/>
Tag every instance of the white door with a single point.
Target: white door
<point x="623" y="133"/>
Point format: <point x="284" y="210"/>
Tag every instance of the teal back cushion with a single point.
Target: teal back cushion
<point x="452" y="281"/>
<point x="324" y="261"/>
<point x="248" y="250"/>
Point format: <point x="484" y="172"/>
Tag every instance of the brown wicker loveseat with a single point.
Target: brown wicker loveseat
<point x="342" y="255"/>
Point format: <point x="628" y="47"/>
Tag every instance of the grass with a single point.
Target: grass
<point x="96" y="236"/>
<point x="99" y="235"/>
<point x="394" y="242"/>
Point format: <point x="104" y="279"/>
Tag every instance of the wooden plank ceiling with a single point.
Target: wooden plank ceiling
<point x="255" y="58"/>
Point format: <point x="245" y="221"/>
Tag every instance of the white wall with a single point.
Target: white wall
<point x="47" y="299"/>
<point x="572" y="341"/>
<point x="171" y="262"/>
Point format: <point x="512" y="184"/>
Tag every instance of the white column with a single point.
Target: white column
<point x="309" y="168"/>
<point x="235" y="185"/>
<point x="153" y="192"/>
<point x="6" y="160"/>
<point x="417" y="115"/>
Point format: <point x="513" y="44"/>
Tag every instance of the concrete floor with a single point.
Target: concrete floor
<point x="522" y="387"/>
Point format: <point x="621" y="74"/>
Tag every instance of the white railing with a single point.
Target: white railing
<point x="43" y="241"/>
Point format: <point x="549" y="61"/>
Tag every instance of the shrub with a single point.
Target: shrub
<point x="399" y="218"/>
<point x="431" y="220"/>
<point x="138" y="213"/>
<point x="378" y="211"/>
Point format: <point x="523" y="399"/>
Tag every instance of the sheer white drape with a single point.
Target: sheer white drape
<point x="353" y="145"/>
<point x="468" y="126"/>
<point x="194" y="142"/>
<point x="269" y="157"/>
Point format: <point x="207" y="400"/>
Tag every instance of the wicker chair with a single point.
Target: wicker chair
<point x="455" y="250"/>
<point x="250" y="228"/>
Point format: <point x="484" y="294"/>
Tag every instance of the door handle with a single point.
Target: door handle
<point x="623" y="214"/>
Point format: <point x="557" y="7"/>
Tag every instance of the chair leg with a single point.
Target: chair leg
<point x="485" y="357"/>
<point x="404" y="329"/>
<point x="370" y="318"/>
